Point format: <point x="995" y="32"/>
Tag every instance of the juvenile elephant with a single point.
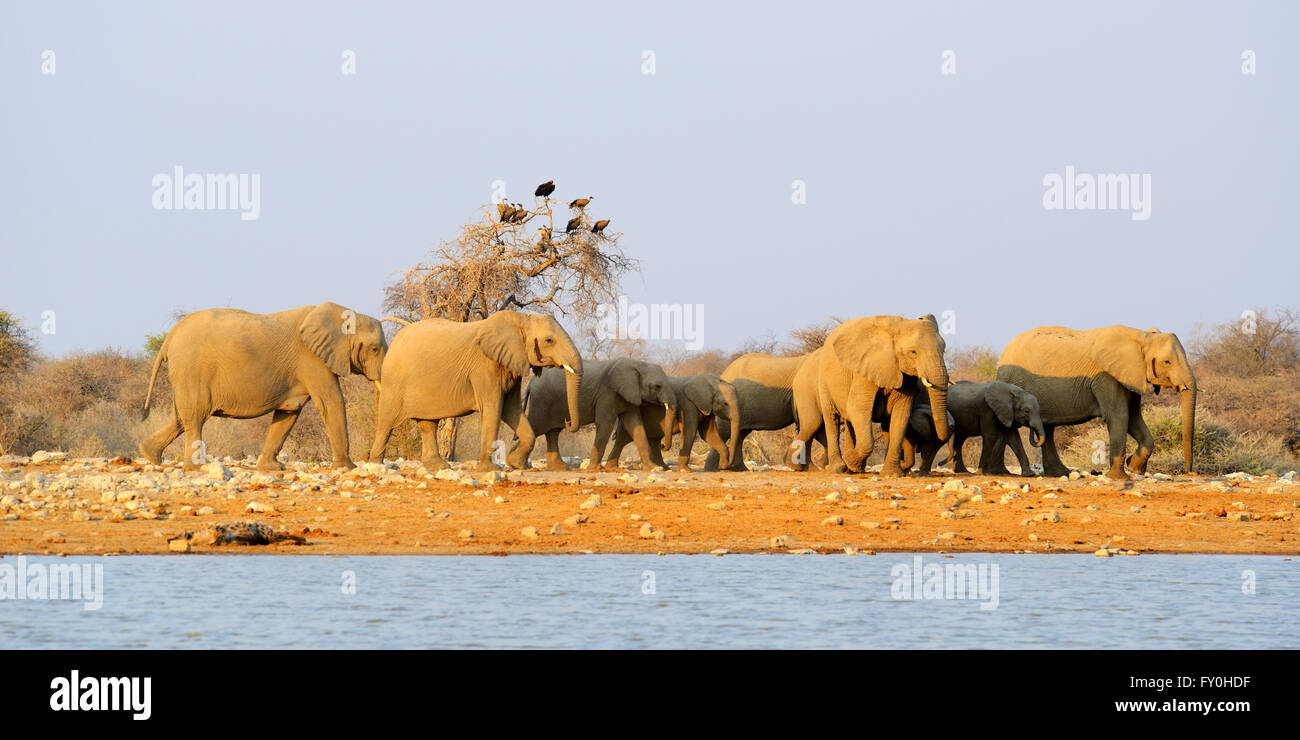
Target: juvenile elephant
<point x="612" y="392"/>
<point x="921" y="434"/>
<point x="1081" y="375"/>
<point x="861" y="358"/>
<point x="994" y="411"/>
<point x="764" y="389"/>
<point x="705" y="404"/>
<point x="241" y="365"/>
<point x="439" y="369"/>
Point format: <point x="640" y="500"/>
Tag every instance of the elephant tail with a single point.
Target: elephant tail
<point x="397" y="319"/>
<point x="153" y="376"/>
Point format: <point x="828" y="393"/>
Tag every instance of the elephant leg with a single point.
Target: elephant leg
<point x="738" y="462"/>
<point x="281" y="424"/>
<point x="490" y="418"/>
<point x="994" y="448"/>
<point x="1052" y="464"/>
<point x="632" y="422"/>
<point x="512" y="413"/>
<point x="604" y="428"/>
<point x="898" y="417"/>
<point x="329" y="402"/>
<point x="714" y="437"/>
<point x="1117" y="433"/>
<point x="153" y="446"/>
<point x="195" y="453"/>
<point x="430" y="458"/>
<point x="621" y="439"/>
<point x="1018" y="447"/>
<point x="958" y="466"/>
<point x="928" y="451"/>
<point x="553" y="459"/>
<point x="1137" y="429"/>
<point x="385" y="420"/>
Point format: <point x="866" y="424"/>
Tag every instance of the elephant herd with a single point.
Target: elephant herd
<point x="888" y="370"/>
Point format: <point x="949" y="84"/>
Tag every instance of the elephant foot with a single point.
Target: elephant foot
<point x="996" y="470"/>
<point x="610" y="466"/>
<point x="433" y="465"/>
<point x="153" y="457"/>
<point x="1137" y="463"/>
<point x="1055" y="471"/>
<point x="486" y="466"/>
<point x="1117" y="473"/>
<point x="891" y="470"/>
<point x="338" y="465"/>
<point x="518" y="462"/>
<point x="271" y="465"/>
<point x="684" y="464"/>
<point x="557" y="465"/>
<point x="837" y="467"/>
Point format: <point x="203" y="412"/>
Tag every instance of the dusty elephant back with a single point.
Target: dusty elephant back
<point x="1055" y="364"/>
<point x="225" y="351"/>
<point x="428" y="367"/>
<point x="764" y="369"/>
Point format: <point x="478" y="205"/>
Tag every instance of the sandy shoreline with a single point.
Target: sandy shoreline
<point x="95" y="507"/>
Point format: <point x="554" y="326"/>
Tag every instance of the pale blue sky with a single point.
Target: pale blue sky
<point x="924" y="190"/>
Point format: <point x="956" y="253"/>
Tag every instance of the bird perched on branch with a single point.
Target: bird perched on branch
<point x="544" y="238"/>
<point x="507" y="213"/>
<point x="599" y="226"/>
<point x="545" y="189"/>
<point x="501" y="210"/>
<point x="520" y="213"/>
<point x="573" y="224"/>
<point x="581" y="202"/>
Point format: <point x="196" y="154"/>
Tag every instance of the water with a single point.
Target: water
<point x="703" y="601"/>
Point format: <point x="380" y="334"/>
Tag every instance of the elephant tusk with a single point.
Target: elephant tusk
<point x="926" y="382"/>
<point x="378" y="388"/>
<point x="568" y="369"/>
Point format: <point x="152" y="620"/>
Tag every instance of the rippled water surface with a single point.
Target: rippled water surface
<point x="616" y="601"/>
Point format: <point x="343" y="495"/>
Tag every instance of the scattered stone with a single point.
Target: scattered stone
<point x="530" y="532"/>
<point x="784" y="540"/>
<point x="466" y="534"/>
<point x="650" y="533"/>
<point x="833" y="521"/>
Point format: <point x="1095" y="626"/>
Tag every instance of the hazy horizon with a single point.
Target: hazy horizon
<point x="925" y="190"/>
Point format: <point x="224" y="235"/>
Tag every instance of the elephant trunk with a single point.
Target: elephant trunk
<point x="1036" y="433"/>
<point x="939" y="410"/>
<point x="733" y="411"/>
<point x="572" y="383"/>
<point x="670" y="418"/>
<point x="1189" y="422"/>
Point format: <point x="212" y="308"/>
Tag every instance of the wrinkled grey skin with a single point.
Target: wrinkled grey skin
<point x="612" y="392"/>
<point x="241" y="365"/>
<point x="994" y="411"/>
<point x="705" y="405"/>
<point x="764" y="390"/>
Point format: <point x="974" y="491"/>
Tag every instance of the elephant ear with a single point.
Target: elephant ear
<point x="323" y="332"/>
<point x="626" y="382"/>
<point x="1120" y="354"/>
<point x="1001" y="398"/>
<point x="504" y="345"/>
<point x="866" y="346"/>
<point x="700" y="393"/>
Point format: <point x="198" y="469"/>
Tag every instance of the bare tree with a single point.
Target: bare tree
<point x="514" y="257"/>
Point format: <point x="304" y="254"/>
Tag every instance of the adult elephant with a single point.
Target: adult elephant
<point x="232" y="363"/>
<point x="861" y="358"/>
<point x="921" y="434"/>
<point x="1082" y="375"/>
<point x="705" y="404"/>
<point x="440" y="369"/>
<point x="764" y="389"/>
<point x="612" y="392"/>
<point x="994" y="411"/>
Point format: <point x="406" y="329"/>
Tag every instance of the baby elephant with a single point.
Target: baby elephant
<point x="919" y="436"/>
<point x="994" y="411"/>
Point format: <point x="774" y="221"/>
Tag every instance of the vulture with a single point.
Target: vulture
<point x="573" y="224"/>
<point x="507" y="213"/>
<point x="545" y="189"/>
<point x="600" y="226"/>
<point x="545" y="236"/>
<point x="581" y="202"/>
<point x="520" y="213"/>
<point x="501" y="210"/>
